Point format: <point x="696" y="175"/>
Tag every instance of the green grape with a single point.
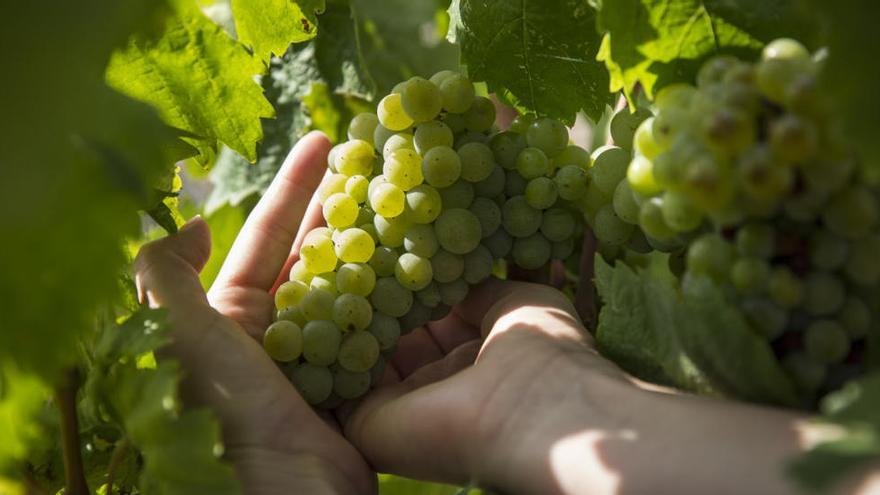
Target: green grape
<point x="441" y="76"/>
<point x="756" y="239"/>
<point x="679" y="212"/>
<point x="515" y="185"/>
<point x="289" y="294"/>
<point x="506" y="147"/>
<point x="321" y="340"/>
<point x="441" y="166"/>
<point x="532" y="163"/>
<point x="356" y="278"/>
<point x="357" y="186"/>
<point x="318" y="254"/>
<point x="469" y="137"/>
<point x="363" y="126"/>
<point x="827" y="176"/>
<point x="391" y="114"/>
<point x="610" y="165"/>
<point x="325" y="281"/>
<point x="541" y="193"/>
<point x="332" y="184"/>
<point x="562" y="250"/>
<point x="793" y="139"/>
<point x="861" y="266"/>
<point x="761" y="177"/>
<point x="749" y="275"/>
<point x="477" y="265"/>
<point x="573" y="155"/>
<point x="477" y="161"/>
<point x="383" y="261"/>
<point x="391" y="230"/>
<point x="710" y="255"/>
<point x="499" y="244"/>
<point x="852" y="213"/>
<point x="375" y="182"/>
<point x="806" y="372"/>
<point x="644" y="142"/>
<point x="358" y="352"/>
<point x="283" y="341"/>
<point x="350" y="384"/>
<point x="548" y="135"/>
<point x="709" y="184"/>
<point x="458" y="230"/>
<point x="421" y="99"/>
<point x="314" y="383"/>
<point x="352" y="312"/>
<point x="390" y="297"/>
<point x="458" y="195"/>
<point x="457" y="93"/>
<point x="317" y="305"/>
<point x="354" y="246"/>
<point x="386" y="330"/>
<point x="806" y="206"/>
<point x="399" y="141"/>
<point x="652" y="222"/>
<point x="773" y="76"/>
<point x="380" y="136"/>
<point x="668" y="125"/>
<point x="340" y="210"/>
<point x="824" y="294"/>
<point x="423" y="203"/>
<point x="784" y="288"/>
<point x="446" y="266"/>
<point x="785" y="49"/>
<point x="421" y="240"/>
<point x="387" y="200"/>
<point x="418" y="315"/>
<point x="430" y="295"/>
<point x="765" y="317"/>
<point x="520" y="124"/>
<point x="488" y="214"/>
<point x="454" y="292"/>
<point x="520" y="219"/>
<point x="625" y="203"/>
<point x="413" y="272"/>
<point x="370" y="229"/>
<point x="480" y="116"/>
<point x="355" y="157"/>
<point x="609" y="228"/>
<point x="827" y="251"/>
<point x="331" y="157"/>
<point x="674" y="96"/>
<point x="403" y="168"/>
<point x="624" y="124"/>
<point x="826" y="341"/>
<point x="531" y="252"/>
<point x="493" y="185"/>
<point x="430" y="135"/>
<point x="557" y="225"/>
<point x="293" y="314"/>
<point x="640" y="176"/>
<point x="727" y="130"/>
<point x="571" y="182"/>
<point x="300" y="272"/>
<point x="714" y="70"/>
<point x="855" y="318"/>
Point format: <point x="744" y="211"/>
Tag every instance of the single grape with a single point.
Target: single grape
<point x="293" y="314"/>
<point x="610" y="165"/>
<point x="283" y="341"/>
<point x="826" y="341"/>
<point x="289" y="294"/>
<point x="480" y="116"/>
<point x="644" y="142"/>
<point x="441" y="166"/>
<point x="499" y="244"/>
<point x="349" y="384"/>
<point x="785" y="49"/>
<point x="457" y="93"/>
<point x="506" y="147"/>
<point x="403" y="168"/>
<point x="532" y="163"/>
<point x="430" y="295"/>
<point x="441" y="76"/>
<point x="784" y="288"/>
<point x="531" y="252"/>
<point x="391" y="114"/>
<point x="399" y="141"/>
<point x="355" y="157"/>
<point x="640" y="176"/>
<point x="356" y="278"/>
<point x="357" y="186"/>
<point x="652" y="222"/>
<point x="478" y="265"/>
<point x="423" y="203"/>
<point x="325" y="281"/>
<point x="354" y="246"/>
<point x="727" y="130"/>
<point x="557" y="225"/>
<point x="824" y="294"/>
<point x="477" y="161"/>
<point x="520" y="124"/>
<point x="625" y="203"/>
<point x="387" y="200"/>
<point x="668" y="125"/>
<point x="391" y="298"/>
<point x="488" y="214"/>
<point x="300" y="272"/>
<point x="571" y="182"/>
<point x="710" y="255"/>
<point x="793" y="139"/>
<point x="714" y="70"/>
<point x="386" y="330"/>
<point x="332" y="184"/>
<point x="318" y="305"/>
<point x="340" y="210"/>
<point x="318" y="254"/>
<point x="679" y="213"/>
<point x="314" y="383"/>
<point x="421" y="240"/>
<point x="761" y="176"/>
<point x="321" y="339"/>
<point x="493" y="185"/>
<point x="541" y="193"/>
<point x="765" y="317"/>
<point x="352" y="312"/>
<point x="624" y="124"/>
<point x="383" y="261"/>
<point x="520" y="219"/>
<point x="562" y="250"/>
<point x="749" y="275"/>
<point x="358" y="352"/>
<point x="458" y="230"/>
<point x="391" y="230"/>
<point x="458" y="195"/>
<point x="413" y="272"/>
<point x="363" y="126"/>
<point x="548" y="135"/>
<point x="454" y="292"/>
<point x="380" y="136"/>
<point x="609" y="228"/>
<point x="446" y="266"/>
<point x="430" y="135"/>
<point x="421" y="99"/>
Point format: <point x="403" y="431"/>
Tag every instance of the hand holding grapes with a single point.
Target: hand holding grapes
<point x="276" y="442"/>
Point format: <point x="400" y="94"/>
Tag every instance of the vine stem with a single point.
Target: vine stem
<point x="115" y="459"/>
<point x="585" y="297"/>
<point x="65" y="399"/>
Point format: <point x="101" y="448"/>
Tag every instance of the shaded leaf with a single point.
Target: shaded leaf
<point x="270" y="26"/>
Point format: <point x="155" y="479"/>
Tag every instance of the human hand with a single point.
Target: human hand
<point x="273" y="438"/>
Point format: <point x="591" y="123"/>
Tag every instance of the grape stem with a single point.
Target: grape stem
<point x="585" y="297"/>
<point x="115" y="459"/>
<point x="65" y="399"/>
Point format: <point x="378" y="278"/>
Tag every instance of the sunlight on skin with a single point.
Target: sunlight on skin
<point x="578" y="453"/>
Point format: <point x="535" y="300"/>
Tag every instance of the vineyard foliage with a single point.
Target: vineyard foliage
<point x="104" y="101"/>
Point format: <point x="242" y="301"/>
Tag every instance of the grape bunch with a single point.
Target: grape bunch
<point x="423" y="201"/>
<point x="745" y="179"/>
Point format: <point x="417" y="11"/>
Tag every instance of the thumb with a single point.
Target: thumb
<point x="167" y="270"/>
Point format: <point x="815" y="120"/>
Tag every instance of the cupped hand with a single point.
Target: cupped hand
<point x="273" y="438"/>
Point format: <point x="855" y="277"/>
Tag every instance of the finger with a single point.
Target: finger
<point x="452" y="331"/>
<point x="415" y="350"/>
<point x="264" y="243"/>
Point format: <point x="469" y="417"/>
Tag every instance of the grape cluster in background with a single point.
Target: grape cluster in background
<point x="424" y="200"/>
<point x="744" y="179"/>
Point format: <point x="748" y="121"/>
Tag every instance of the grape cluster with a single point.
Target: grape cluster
<point x="745" y="180"/>
<point x="423" y="200"/>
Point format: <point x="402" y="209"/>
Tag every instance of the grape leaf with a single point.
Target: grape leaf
<point x="655" y="42"/>
<point x="200" y="79"/>
<point x="225" y="224"/>
<point x="270" y="26"/>
<point x="854" y="407"/>
<point x="691" y="338"/>
<point x="540" y="55"/>
<point x="21" y="398"/>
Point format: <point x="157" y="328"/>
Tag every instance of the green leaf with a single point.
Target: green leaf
<point x="653" y="43"/>
<point x="854" y="408"/>
<point x="691" y="338"/>
<point x="270" y="26"/>
<point x="225" y="224"/>
<point x="540" y="54"/>
<point x="21" y="398"/>
<point x="200" y="80"/>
